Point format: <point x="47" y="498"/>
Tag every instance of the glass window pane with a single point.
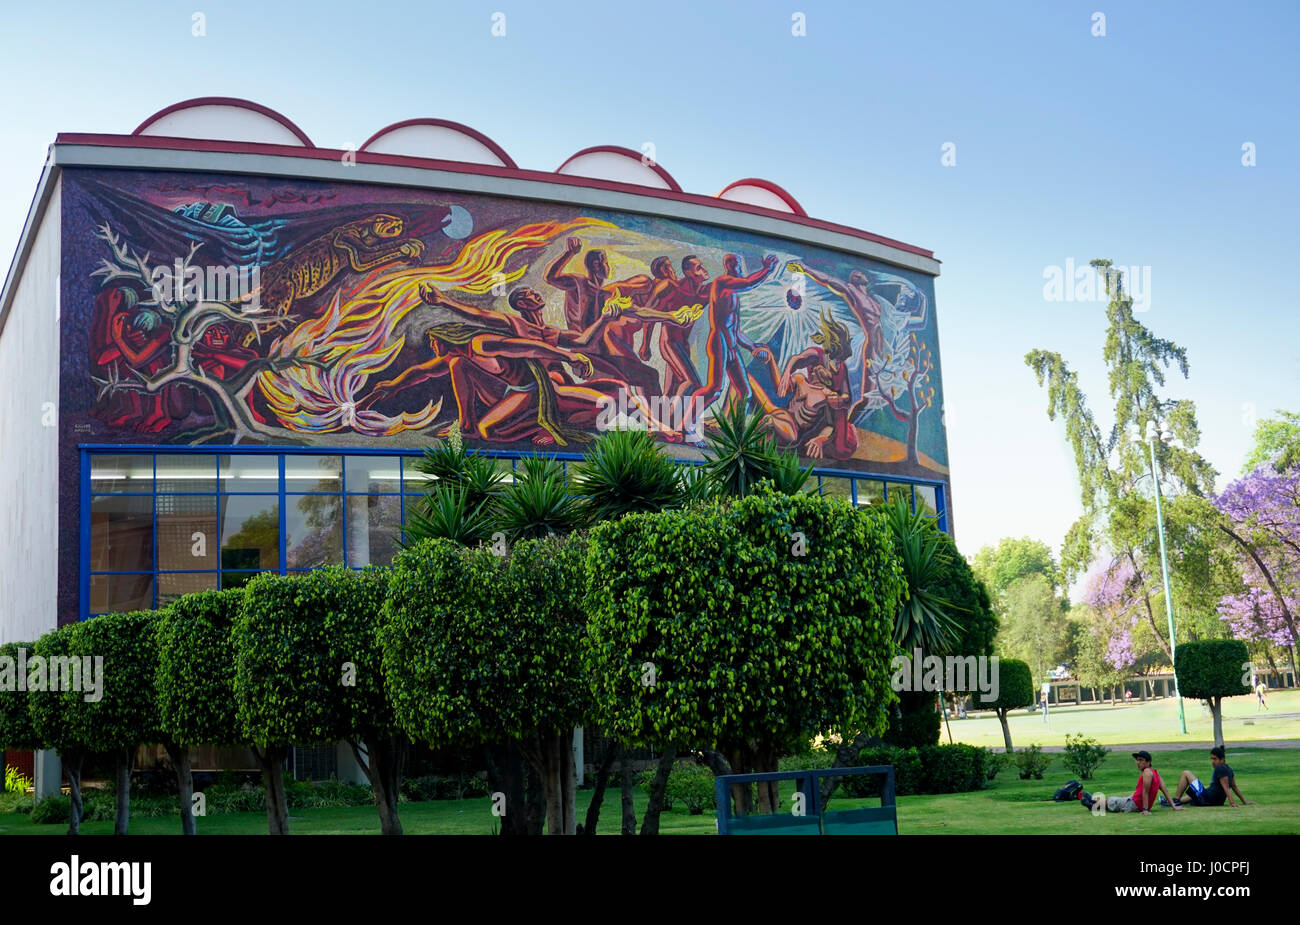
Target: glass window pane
<point x="250" y="473"/>
<point x="870" y="492"/>
<point x="121" y="534"/>
<point x="118" y="593"/>
<point x="315" y="527"/>
<point x="925" y="500"/>
<point x="373" y="474"/>
<point x="237" y="579"/>
<point x="374" y="529"/>
<point x="180" y="472"/>
<point x="121" y="473"/>
<point x="312" y="473"/>
<point x="835" y="487"/>
<point x="897" y="489"/>
<point x="170" y="587"/>
<point x="187" y="532"/>
<point x="250" y="532"/>
<point x="413" y="480"/>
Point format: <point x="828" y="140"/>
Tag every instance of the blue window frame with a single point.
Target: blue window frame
<point x="160" y="522"/>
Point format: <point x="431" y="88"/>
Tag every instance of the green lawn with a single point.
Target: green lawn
<point x="1152" y="722"/>
<point x="1006" y="806"/>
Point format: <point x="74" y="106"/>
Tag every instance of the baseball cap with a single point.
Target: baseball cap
<point x="1144" y="755"/>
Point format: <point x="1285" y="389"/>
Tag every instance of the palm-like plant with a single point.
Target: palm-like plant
<point x="788" y="477"/>
<point x="447" y="512"/>
<point x="696" y="485"/>
<point x="740" y="454"/>
<point x="925" y="619"/>
<point x="537" y="503"/>
<point x="624" y="472"/>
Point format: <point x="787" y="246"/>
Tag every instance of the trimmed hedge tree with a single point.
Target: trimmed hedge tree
<point x="325" y="623"/>
<point x="52" y="714"/>
<point x="125" y="715"/>
<point x="1210" y="670"/>
<point x="1015" y="690"/>
<point x="16" y="729"/>
<point x="745" y="625"/>
<point x="478" y="647"/>
<point x="196" y="682"/>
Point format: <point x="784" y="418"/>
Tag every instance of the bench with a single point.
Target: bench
<point x="815" y="819"/>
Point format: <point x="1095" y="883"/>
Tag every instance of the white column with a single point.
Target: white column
<point x="349" y="770"/>
<point x="578" y="757"/>
<point x="48" y="771"/>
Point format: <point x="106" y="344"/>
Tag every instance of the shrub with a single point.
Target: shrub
<point x="16" y="781"/>
<point x="53" y="810"/>
<point x="1083" y="755"/>
<point x="915" y="729"/>
<point x="691" y="786"/>
<point x="994" y="762"/>
<point x="951" y="768"/>
<point x="1032" y="762"/>
<point x="438" y="787"/>
<point x="15" y="803"/>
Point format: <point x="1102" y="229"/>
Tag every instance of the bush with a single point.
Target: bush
<point x="915" y="729"/>
<point x="16" y="781"/>
<point x="930" y="769"/>
<point x="53" y="810"/>
<point x="438" y="787"/>
<point x="812" y="759"/>
<point x="1083" y="755"/>
<point x="691" y="786"/>
<point x="994" y="762"/>
<point x="1032" y="762"/>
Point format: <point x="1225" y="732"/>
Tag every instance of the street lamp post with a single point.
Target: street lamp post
<point x="1165" y="437"/>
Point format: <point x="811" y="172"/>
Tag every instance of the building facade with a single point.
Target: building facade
<point x="222" y="347"/>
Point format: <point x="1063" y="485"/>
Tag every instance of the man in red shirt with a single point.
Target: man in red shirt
<point x="1144" y="795"/>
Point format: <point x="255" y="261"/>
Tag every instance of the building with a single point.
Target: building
<point x="221" y="346"/>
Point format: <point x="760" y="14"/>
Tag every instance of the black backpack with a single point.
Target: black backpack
<point x="1069" y="792"/>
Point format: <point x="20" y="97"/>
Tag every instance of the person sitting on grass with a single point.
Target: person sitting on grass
<point x="1144" y="796"/>
<point x="1192" y="792"/>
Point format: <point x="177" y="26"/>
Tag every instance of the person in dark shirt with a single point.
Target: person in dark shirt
<point x="1192" y="792"/>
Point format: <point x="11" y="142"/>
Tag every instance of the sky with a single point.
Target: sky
<point x="1061" y="144"/>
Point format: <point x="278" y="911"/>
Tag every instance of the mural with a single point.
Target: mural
<point x="237" y="310"/>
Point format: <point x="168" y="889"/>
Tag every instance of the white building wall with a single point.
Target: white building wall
<point x="29" y="441"/>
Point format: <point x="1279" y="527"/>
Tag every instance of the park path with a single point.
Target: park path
<point x="1166" y="746"/>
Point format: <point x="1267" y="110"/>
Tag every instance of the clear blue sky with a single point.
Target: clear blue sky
<point x="1068" y="146"/>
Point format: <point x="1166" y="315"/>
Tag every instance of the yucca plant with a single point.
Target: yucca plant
<point x="925" y="619"/>
<point x="741" y="454"/>
<point x="537" y="503"/>
<point x="696" y="485"/>
<point x="788" y="477"/>
<point x="448" y="512"/>
<point x="625" y="471"/>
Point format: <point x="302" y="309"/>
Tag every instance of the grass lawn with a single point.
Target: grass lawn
<point x="1006" y="806"/>
<point x="1132" y="723"/>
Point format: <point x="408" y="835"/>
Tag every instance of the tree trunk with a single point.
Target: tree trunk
<point x="122" y="818"/>
<point x="180" y="758"/>
<point x="553" y="759"/>
<point x="769" y="792"/>
<point x="1216" y="707"/>
<point x="72" y="762"/>
<point x="598" y="794"/>
<point x="1006" y="729"/>
<point x="659" y="787"/>
<point x="271" y="759"/>
<point x="384" y="771"/>
<point x="626" y="784"/>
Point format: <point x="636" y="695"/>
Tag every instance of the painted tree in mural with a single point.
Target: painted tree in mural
<point x="1118" y="523"/>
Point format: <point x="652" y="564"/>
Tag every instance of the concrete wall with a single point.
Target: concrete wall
<point x="29" y="400"/>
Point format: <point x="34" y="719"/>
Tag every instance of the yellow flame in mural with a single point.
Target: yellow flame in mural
<point x="354" y="338"/>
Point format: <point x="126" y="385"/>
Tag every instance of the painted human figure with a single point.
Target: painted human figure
<point x="584" y="294"/>
<point x="725" y="339"/>
<point x="816" y="418"/>
<point x="127" y="336"/>
<point x="507" y="368"/>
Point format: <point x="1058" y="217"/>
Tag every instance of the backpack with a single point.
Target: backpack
<point x="1086" y="799"/>
<point x="1069" y="792"/>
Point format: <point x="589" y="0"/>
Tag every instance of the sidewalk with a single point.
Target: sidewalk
<point x="1167" y="746"/>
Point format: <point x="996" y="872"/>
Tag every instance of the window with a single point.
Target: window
<point x="160" y="525"/>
